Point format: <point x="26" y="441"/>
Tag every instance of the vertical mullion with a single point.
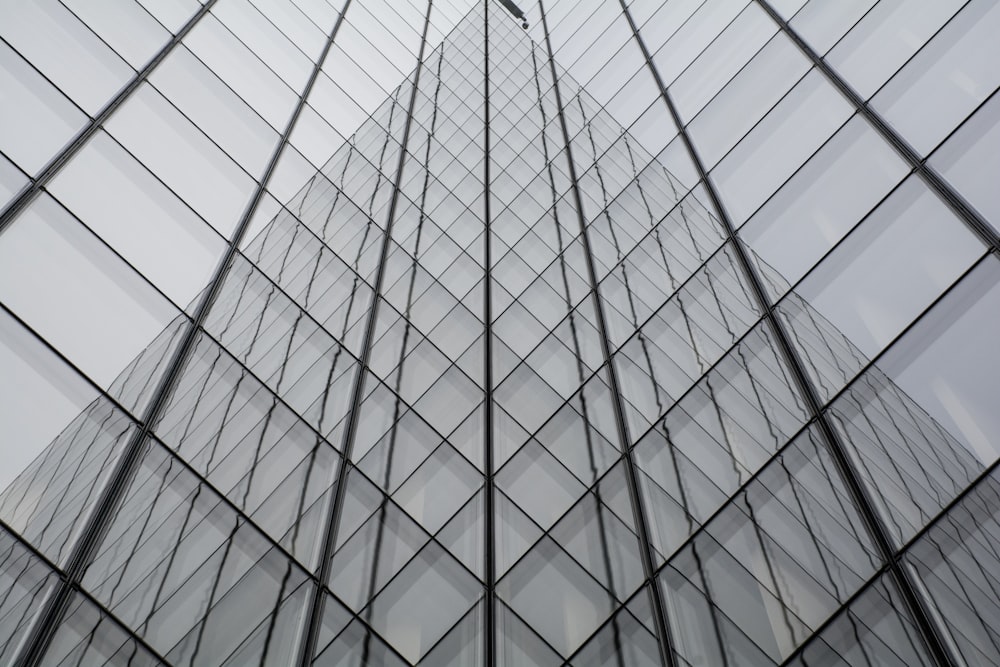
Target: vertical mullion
<point x="489" y="565"/>
<point x="814" y="405"/>
<point x="664" y="640"/>
<point x="334" y="511"/>
<point x="99" y="520"/>
<point x="49" y="171"/>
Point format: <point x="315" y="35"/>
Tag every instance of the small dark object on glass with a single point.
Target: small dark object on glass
<point x="516" y="12"/>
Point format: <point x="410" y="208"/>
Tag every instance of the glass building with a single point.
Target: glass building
<point x="383" y="332"/>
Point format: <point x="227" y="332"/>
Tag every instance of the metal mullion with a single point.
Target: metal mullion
<point x="621" y="607"/>
<point x="55" y="570"/>
<point x="838" y="450"/>
<point x="489" y="483"/>
<point x="369" y="630"/>
<point x="314" y="622"/>
<point x="409" y="408"/>
<point x="665" y="643"/>
<point x="431" y="537"/>
<point x="48" y="172"/>
<point x="304" y="313"/>
<point x="590" y="490"/>
<point x="956" y="202"/>
<point x="425" y="338"/>
<point x="73" y="368"/>
<point x="654" y="312"/>
<point x="103" y="511"/>
<point x="794" y="658"/>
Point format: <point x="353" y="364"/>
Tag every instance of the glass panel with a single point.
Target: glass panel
<point x="357" y="645"/>
<point x="429" y="596"/>
<point x="820" y="204"/>
<point x="692" y="35"/>
<point x="557" y="597"/>
<point x="128" y="28"/>
<point x="87" y="635"/>
<point x="875" y="282"/>
<point x="627" y="639"/>
<point x="716" y="438"/>
<point x="602" y="542"/>
<point x="374" y="555"/>
<point x="168" y="143"/>
<point x="971" y="157"/>
<point x="138" y="216"/>
<point x="947" y="79"/>
<point x="721" y="60"/>
<point x="65" y="441"/>
<point x="173" y="14"/>
<point x="463" y="645"/>
<point x="74" y="291"/>
<point x="958" y="565"/>
<point x="36" y="120"/>
<point x="193" y="578"/>
<point x="884" y="39"/>
<point x="262" y="37"/>
<point x="438" y="488"/>
<point x="539" y="484"/>
<point x="217" y="111"/>
<point x="66" y="51"/>
<point x="227" y="426"/>
<point x="875" y="631"/>
<point x="923" y="423"/>
<point x="773" y="565"/>
<point x="26" y="581"/>
<point x="517" y="643"/>
<point x="822" y="24"/>
<point x="299" y="360"/>
<point x="745" y="99"/>
<point x="782" y="141"/>
<point x="244" y="72"/>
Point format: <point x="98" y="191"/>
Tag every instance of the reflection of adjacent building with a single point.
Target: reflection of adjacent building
<point x="756" y="535"/>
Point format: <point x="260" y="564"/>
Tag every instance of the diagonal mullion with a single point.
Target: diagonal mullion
<point x="49" y="171"/>
<point x="99" y="520"/>
<point x="982" y="229"/>
<point x="866" y="507"/>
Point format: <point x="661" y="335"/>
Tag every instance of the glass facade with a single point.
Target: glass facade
<point x="371" y="332"/>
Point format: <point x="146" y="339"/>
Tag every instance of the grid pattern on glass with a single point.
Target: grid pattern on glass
<point x="684" y="354"/>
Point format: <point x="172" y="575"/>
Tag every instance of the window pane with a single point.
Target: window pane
<point x="782" y="141"/>
<point x="71" y="289"/>
<point x="885" y="39"/>
<point x="65" y="50"/>
<point x="168" y="143"/>
<point x="36" y="120"/>
<point x="820" y="204"/>
<point x="887" y="271"/>
<point x="970" y="160"/>
<point x="135" y="213"/>
<point x="923" y="423"/>
<point x="945" y="81"/>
